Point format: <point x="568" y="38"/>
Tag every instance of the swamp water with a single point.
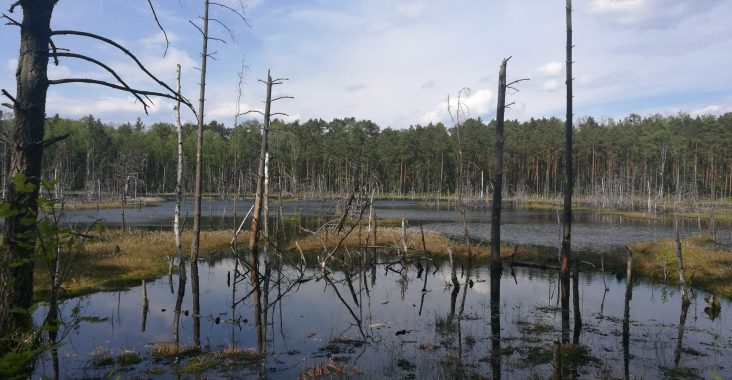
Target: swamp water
<point x="381" y="317"/>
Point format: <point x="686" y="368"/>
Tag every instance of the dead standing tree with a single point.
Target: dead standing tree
<point x="261" y="194"/>
<point x="198" y="186"/>
<point x="29" y="104"/>
<point x="496" y="264"/>
<point x="565" y="252"/>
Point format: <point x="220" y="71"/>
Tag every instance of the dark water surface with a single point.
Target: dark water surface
<point x="379" y="316"/>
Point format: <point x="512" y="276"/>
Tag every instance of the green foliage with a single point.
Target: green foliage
<point x="327" y="156"/>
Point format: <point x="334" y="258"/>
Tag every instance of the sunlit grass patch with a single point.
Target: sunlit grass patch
<point x="705" y="266"/>
<point x="119" y="260"/>
<point x="101" y="357"/>
<point x="128" y="357"/>
<point x="228" y="358"/>
<point x="328" y="370"/>
<point x="171" y="350"/>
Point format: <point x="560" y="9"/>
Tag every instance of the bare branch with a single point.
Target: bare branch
<point x="236" y="12"/>
<point x="54" y="50"/>
<point x="157" y="21"/>
<point x="11" y="21"/>
<point x="508" y="85"/>
<point x="117" y="87"/>
<point x="252" y="111"/>
<point x="228" y="30"/>
<point x="102" y="65"/>
<point x="7" y="94"/>
<point x="48" y="142"/>
<point x="7" y="105"/>
<point x="133" y="57"/>
<point x="197" y="27"/>
<point x="12" y="6"/>
<point x="279" y="113"/>
<point x="281" y="97"/>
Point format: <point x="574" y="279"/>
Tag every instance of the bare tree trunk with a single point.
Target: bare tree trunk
<point x="258" y="200"/>
<point x="626" y="312"/>
<point x="178" y="182"/>
<point x="265" y="197"/>
<point x="680" y="261"/>
<point x="498" y="169"/>
<point x="16" y="264"/>
<point x="195" y="243"/>
<point x="568" y="174"/>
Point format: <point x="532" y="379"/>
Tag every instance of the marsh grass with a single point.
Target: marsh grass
<point x="171" y="350"/>
<point x="328" y="371"/>
<point x="118" y="260"/>
<point x="77" y="205"/>
<point x="720" y="215"/>
<point x="390" y="237"/>
<point x="230" y="357"/>
<point x="707" y="267"/>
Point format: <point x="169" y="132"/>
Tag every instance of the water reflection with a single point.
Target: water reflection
<point x="362" y="312"/>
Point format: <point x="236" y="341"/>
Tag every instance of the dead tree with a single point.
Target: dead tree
<point x="568" y="173"/>
<point x="178" y="182"/>
<point x="197" y="195"/>
<point x="498" y="167"/>
<point x="198" y="187"/>
<point x="37" y="46"/>
<point x="260" y="194"/>
<point x="565" y="251"/>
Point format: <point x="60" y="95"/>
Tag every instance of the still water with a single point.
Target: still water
<point x="374" y="315"/>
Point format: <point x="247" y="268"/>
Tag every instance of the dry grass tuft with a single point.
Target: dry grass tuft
<point x="706" y="267"/>
<point x="328" y="370"/>
<point x="118" y="260"/>
<point x="168" y="350"/>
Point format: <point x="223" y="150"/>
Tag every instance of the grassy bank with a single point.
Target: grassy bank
<point x="83" y="205"/>
<point x="433" y="244"/>
<point x="705" y="267"/>
<point x="117" y="260"/>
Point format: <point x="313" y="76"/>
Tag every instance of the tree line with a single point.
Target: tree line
<point x="653" y="156"/>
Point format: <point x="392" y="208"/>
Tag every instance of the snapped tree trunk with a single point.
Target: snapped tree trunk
<point x="19" y="232"/>
<point x="498" y="170"/>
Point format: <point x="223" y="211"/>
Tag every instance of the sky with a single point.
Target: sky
<point x="396" y="62"/>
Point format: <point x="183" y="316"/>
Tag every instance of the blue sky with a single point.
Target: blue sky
<point x="395" y="62"/>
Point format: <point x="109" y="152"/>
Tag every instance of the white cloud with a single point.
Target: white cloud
<point x="100" y="105"/>
<point x="713" y="109"/>
<point x="551" y="69"/>
<point x="649" y="13"/>
<point x="551" y="85"/>
<point x="411" y="10"/>
<point x="11" y="64"/>
<point x="474" y="104"/>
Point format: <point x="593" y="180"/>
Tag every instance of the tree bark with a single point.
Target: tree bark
<point x="178" y="182"/>
<point x="568" y="174"/>
<point x="498" y="170"/>
<point x="195" y="243"/>
<point x="16" y="267"/>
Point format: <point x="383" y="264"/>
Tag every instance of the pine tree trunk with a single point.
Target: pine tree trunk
<point x="16" y="265"/>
